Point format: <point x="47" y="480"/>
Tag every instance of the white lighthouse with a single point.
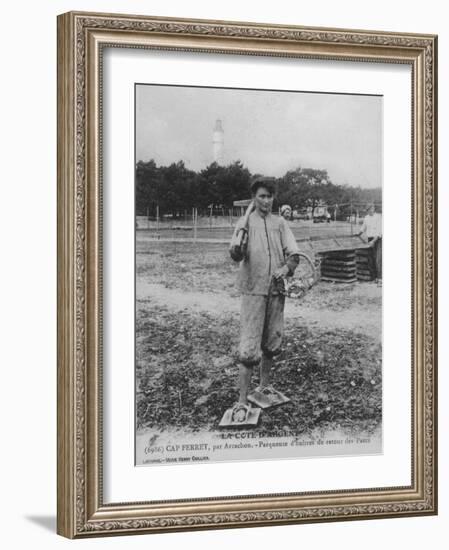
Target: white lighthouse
<point x="218" y="142"/>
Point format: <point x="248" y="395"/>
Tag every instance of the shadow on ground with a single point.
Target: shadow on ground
<point x="46" y="522"/>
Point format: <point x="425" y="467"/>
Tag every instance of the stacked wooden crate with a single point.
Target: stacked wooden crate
<point x="364" y="265"/>
<point x="340" y="259"/>
<point x="339" y="266"/>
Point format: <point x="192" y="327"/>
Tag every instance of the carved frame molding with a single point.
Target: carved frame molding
<point x="81" y="38"/>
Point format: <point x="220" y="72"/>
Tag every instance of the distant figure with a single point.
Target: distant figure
<point x="286" y="212"/>
<point x="372" y="231"/>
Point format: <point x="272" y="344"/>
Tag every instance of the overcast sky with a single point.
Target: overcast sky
<point x="271" y="132"/>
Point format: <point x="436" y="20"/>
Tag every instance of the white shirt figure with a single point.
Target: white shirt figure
<point x="372" y="225"/>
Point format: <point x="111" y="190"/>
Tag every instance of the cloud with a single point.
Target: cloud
<point x="271" y="132"/>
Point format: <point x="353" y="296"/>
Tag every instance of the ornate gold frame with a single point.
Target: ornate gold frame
<point x="81" y="37"/>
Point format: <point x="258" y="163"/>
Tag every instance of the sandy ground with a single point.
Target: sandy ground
<point x="363" y="315"/>
<point x="186" y="342"/>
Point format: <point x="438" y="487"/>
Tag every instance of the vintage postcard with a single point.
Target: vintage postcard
<point x="258" y="274"/>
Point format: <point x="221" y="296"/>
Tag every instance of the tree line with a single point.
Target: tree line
<point x="171" y="190"/>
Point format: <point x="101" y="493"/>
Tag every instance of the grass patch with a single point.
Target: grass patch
<point x="187" y="375"/>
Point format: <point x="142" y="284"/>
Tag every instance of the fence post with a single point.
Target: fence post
<point x="195" y="219"/>
<point x="352" y="232"/>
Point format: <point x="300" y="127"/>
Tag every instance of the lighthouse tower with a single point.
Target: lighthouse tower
<point x="218" y="142"/>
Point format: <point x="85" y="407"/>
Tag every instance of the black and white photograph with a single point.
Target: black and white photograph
<point x="258" y="274"/>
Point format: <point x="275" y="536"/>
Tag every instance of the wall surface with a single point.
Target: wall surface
<point x="28" y="289"/>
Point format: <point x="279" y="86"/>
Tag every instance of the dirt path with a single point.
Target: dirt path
<point x="359" y="317"/>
